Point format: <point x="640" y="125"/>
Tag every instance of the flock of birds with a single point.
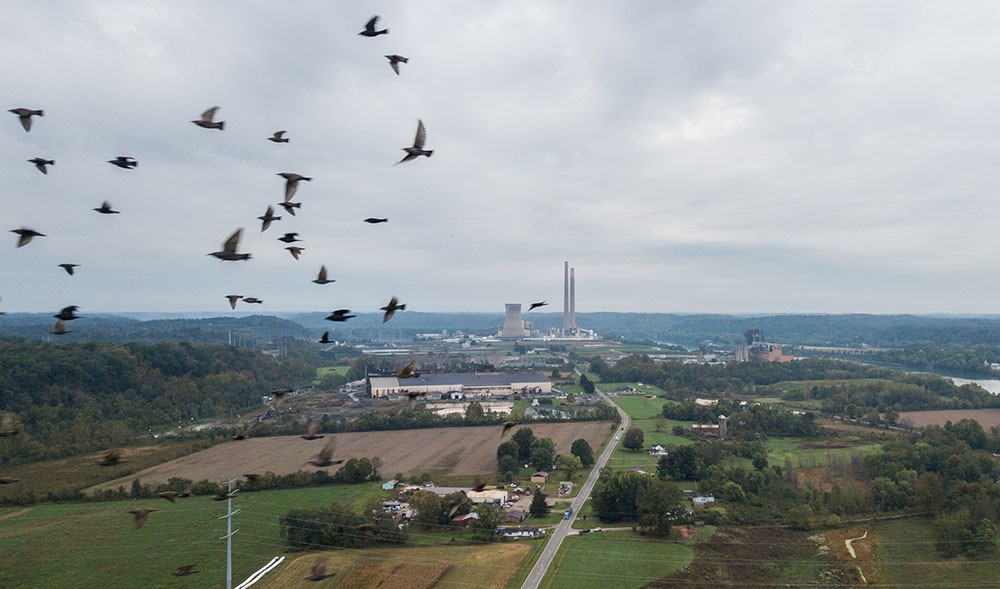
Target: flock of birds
<point x="230" y="252"/>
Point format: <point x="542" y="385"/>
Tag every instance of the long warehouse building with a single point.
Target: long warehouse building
<point x="478" y="384"/>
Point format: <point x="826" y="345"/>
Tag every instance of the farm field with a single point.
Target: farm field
<point x="440" y="452"/>
<point x="487" y="566"/>
<point x="905" y="557"/>
<point x="986" y="417"/>
<point x="812" y="452"/>
<point x="95" y="544"/>
<point x="614" y="560"/>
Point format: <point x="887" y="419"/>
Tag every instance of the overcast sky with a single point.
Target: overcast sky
<point x="683" y="156"/>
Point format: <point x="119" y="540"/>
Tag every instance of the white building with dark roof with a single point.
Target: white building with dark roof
<point x="471" y="385"/>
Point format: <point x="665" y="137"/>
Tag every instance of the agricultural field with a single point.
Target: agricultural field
<point x="761" y="557"/>
<point x="641" y="411"/>
<point x="486" y="566"/>
<point x="95" y="544"/>
<point x="65" y="475"/>
<point x="904" y="556"/>
<point x="986" y="417"/>
<point x="615" y="560"/>
<point x="440" y="452"/>
<point x="813" y="452"/>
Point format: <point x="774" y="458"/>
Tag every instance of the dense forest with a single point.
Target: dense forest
<point x="71" y="399"/>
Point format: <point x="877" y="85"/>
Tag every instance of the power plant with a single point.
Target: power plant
<point x="514" y="326"/>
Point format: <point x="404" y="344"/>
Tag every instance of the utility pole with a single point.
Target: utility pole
<point x="229" y="535"/>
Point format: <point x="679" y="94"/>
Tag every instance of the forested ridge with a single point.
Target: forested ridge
<point x="71" y="399"/>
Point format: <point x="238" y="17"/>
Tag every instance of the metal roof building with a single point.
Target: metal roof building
<point x="474" y="384"/>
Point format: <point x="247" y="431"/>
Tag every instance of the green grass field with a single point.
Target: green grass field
<point x="905" y="557"/>
<point x="811" y="452"/>
<point x="324" y="370"/>
<point x="96" y="544"/>
<point x="614" y="560"/>
<point x="641" y="410"/>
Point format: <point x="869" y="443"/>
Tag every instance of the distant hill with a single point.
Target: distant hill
<point x="687" y="330"/>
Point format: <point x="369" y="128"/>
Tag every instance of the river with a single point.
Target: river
<point x="990" y="385"/>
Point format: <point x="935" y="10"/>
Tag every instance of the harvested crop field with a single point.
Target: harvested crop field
<point x="483" y="567"/>
<point x="441" y="451"/>
<point x="986" y="417"/>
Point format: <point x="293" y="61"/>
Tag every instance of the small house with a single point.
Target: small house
<point x="540" y="477"/>
<point x="389" y="485"/>
<point x="657" y="450"/>
<point x="515" y="516"/>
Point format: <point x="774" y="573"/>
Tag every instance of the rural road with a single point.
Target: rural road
<point x="534" y="578"/>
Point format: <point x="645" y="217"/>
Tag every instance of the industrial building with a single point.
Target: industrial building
<point x="514" y="326"/>
<point x="477" y="384"/>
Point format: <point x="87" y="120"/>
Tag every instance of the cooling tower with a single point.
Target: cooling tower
<point x="513" y="326"/>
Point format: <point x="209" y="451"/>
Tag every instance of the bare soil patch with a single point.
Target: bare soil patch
<point x="986" y="417"/>
<point x="441" y="451"/>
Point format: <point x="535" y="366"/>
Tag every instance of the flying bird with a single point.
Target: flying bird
<point x="340" y="315"/>
<point x="292" y="183"/>
<point x="222" y="496"/>
<point x="278" y="137"/>
<point x="184" y="571"/>
<point x="239" y="437"/>
<point x="412" y="395"/>
<point x="374" y="220"/>
<point x="321" y="277"/>
<point x="206" y="121"/>
<point x="418" y="145"/>
<point x="172" y="496"/>
<point x="290" y="206"/>
<point x="233" y="299"/>
<point x="105" y="209"/>
<point x="141" y="515"/>
<point x="251" y="477"/>
<point x="318" y="572"/>
<point x="537" y="305"/>
<point x="25" y="114"/>
<point x="267" y="217"/>
<point x="325" y="338"/>
<point x="408" y="371"/>
<point x="507" y="425"/>
<point x="289" y="238"/>
<point x="124" y="162"/>
<point x="68" y="313"/>
<point x="325" y="456"/>
<point x="112" y="458"/>
<point x="253" y="300"/>
<point x="69" y="268"/>
<point x="8" y="480"/>
<point x="278" y="394"/>
<point x="391" y="309"/>
<point x="311" y="431"/>
<point x="229" y="248"/>
<point x="395" y="60"/>
<point x="41" y="162"/>
<point x="26" y="235"/>
<point x="295" y="250"/>
<point x="7" y="428"/>
<point x="370" y="28"/>
<point x="60" y="328"/>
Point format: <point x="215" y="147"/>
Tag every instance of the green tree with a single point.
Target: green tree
<point x="508" y="448"/>
<point x="681" y="463"/>
<point x="543" y="453"/>
<point x="569" y="463"/>
<point x="732" y="492"/>
<point x="634" y="439"/>
<point x="474" y="413"/>
<point x="586" y="384"/>
<point x="509" y="464"/>
<point x="581" y="448"/>
<point x="431" y="511"/>
<point x="615" y="497"/>
<point x="523" y="438"/>
<point x="484" y="527"/>
<point x="800" y="517"/>
<point x="658" y="504"/>
<point x="538" y="506"/>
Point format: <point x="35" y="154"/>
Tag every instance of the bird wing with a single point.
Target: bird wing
<point x="233" y="242"/>
<point x="24" y="239"/>
<point x="370" y="25"/>
<point x="322" y="274"/>
<point x="327" y="452"/>
<point x="313" y="427"/>
<point x="418" y="141"/>
<point x="394" y="66"/>
<point x="25" y="121"/>
<point x="291" y="185"/>
<point x="209" y="114"/>
<point x="279" y="134"/>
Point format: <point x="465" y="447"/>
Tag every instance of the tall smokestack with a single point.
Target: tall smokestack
<point x="572" y="298"/>
<point x="566" y="319"/>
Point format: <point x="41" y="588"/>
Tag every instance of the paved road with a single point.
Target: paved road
<point x="563" y="528"/>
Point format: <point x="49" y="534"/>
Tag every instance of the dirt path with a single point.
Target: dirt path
<point x="850" y="549"/>
<point x="15" y="513"/>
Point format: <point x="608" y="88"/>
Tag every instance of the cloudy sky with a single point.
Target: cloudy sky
<point x="684" y="156"/>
